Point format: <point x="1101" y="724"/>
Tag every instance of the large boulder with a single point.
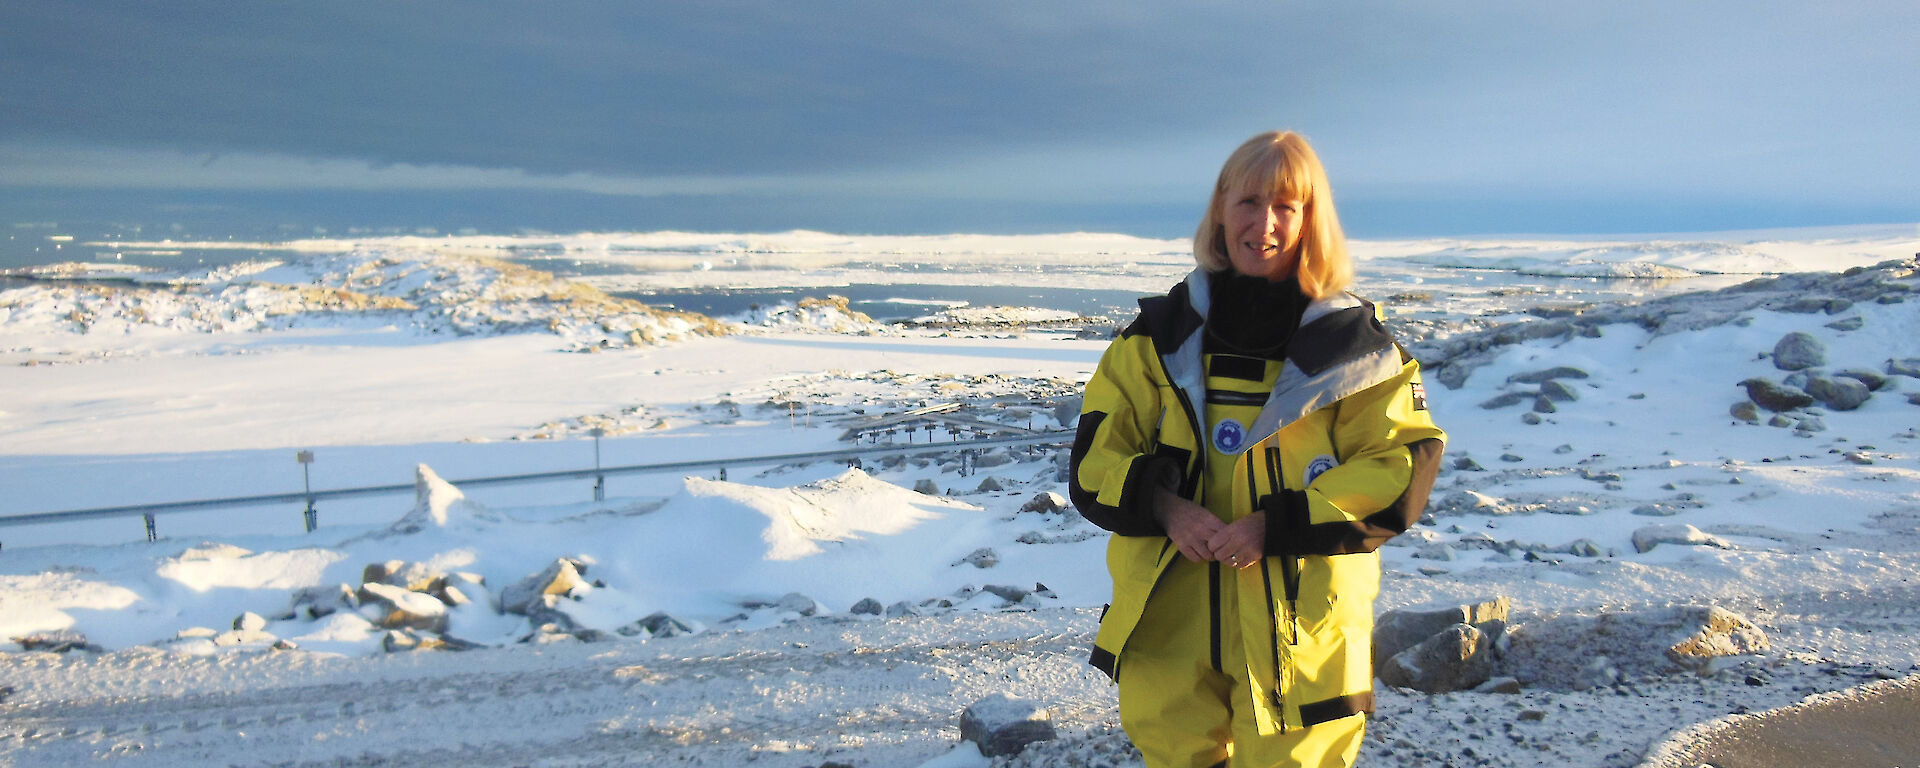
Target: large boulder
<point x="1775" y="397"/>
<point x="402" y="608"/>
<point x="1798" y="351"/>
<point x="560" y="579"/>
<point x="1455" y="659"/>
<point x="1400" y="629"/>
<point x="1840" y="393"/>
<point x="1003" y="725"/>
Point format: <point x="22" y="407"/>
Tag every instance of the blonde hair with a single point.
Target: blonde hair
<point x="1287" y="167"/>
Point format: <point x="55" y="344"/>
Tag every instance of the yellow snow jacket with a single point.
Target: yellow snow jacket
<point x="1340" y="458"/>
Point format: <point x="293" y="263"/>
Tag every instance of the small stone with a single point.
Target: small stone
<point x="1648" y="537"/>
<point x="866" y="607"/>
<point x="927" y="486"/>
<point x="1905" y="366"/>
<point x="57" y="641"/>
<point x="1530" y="418"/>
<point x="1505" y="685"/>
<point x="794" y="602"/>
<point x="1434" y="550"/>
<point x="1810" y="424"/>
<point x="1857" y="458"/>
<point x="1508" y="457"/>
<point x="659" y="624"/>
<point x="1746" y="411"/>
<point x="1504" y="399"/>
<point x="1558" y="372"/>
<point x="1779" y="420"/>
<point x="990" y="485"/>
<point x="1007" y="593"/>
<point x="1798" y="351"/>
<point x="1556" y="391"/>
<point x="1003" y="725"/>
<point x="1467" y="464"/>
<point x="983" y="557"/>
<point x="250" y="621"/>
<point x="1532" y="715"/>
<point x="902" y="608"/>
<point x="1543" y="404"/>
<point x="1848" y="323"/>
<point x="1045" y="502"/>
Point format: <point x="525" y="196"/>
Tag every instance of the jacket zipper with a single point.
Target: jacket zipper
<point x="1273" y="631"/>
<point x="1289" y="565"/>
<point x="1266" y="579"/>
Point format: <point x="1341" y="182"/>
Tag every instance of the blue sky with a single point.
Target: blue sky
<point x="1434" y="118"/>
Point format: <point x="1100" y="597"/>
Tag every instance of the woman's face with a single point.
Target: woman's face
<point x="1263" y="234"/>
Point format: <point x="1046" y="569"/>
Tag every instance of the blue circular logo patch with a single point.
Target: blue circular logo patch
<point x="1228" y="435"/>
<point x="1320" y="464"/>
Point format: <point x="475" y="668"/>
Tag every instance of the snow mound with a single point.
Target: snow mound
<point x="437" y="504"/>
<point x="801" y="519"/>
<point x="717" y="545"/>
<point x="268" y="570"/>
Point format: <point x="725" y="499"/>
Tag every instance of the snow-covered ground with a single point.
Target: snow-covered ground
<point x="713" y="619"/>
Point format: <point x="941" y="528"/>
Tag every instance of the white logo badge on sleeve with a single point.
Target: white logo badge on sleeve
<point x="1319" y="466"/>
<point x="1228" y="436"/>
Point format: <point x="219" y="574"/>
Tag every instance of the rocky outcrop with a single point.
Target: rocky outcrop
<point x="1452" y="360"/>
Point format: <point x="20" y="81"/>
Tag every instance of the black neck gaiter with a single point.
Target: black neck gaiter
<point x="1252" y="316"/>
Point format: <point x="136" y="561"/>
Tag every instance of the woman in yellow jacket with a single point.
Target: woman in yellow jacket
<point x="1250" y="440"/>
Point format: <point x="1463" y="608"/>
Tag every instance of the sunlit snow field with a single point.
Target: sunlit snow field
<point x="420" y="362"/>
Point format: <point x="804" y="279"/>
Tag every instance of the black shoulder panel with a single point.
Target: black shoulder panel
<point x="1168" y="319"/>
<point x="1337" y="338"/>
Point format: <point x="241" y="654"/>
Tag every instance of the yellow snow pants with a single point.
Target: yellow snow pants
<point x="1182" y="713"/>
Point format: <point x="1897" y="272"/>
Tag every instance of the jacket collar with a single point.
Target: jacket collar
<point x="1341" y="348"/>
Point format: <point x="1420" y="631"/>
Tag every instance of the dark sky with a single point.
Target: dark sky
<point x="911" y="116"/>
